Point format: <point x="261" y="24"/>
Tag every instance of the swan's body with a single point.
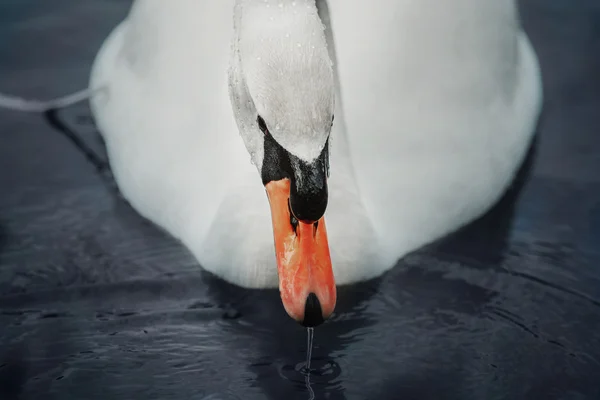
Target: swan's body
<point x="436" y="104"/>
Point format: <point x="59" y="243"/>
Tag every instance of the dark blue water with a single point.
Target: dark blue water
<point x="96" y="303"/>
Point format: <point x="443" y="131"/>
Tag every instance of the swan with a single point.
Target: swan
<point x="304" y="144"/>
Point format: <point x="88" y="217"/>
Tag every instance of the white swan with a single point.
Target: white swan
<point x="435" y="104"/>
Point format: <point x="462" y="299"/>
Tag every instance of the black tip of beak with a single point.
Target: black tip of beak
<point x="313" y="315"/>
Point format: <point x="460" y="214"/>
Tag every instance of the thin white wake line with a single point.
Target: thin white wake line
<point x="39" y="106"/>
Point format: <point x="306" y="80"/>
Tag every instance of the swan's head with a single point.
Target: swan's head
<point x="282" y="92"/>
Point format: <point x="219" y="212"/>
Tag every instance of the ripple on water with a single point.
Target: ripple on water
<point x="323" y="372"/>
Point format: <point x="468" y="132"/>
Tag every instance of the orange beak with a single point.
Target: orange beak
<point x="306" y="281"/>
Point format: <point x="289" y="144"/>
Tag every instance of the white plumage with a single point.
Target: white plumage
<point x="435" y="106"/>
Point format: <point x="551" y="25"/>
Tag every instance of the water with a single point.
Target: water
<point x="95" y="303"/>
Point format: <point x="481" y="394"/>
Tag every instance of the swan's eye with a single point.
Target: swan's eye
<point x="261" y="124"/>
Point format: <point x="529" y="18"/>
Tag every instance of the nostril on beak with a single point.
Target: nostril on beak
<point x="313" y="315"/>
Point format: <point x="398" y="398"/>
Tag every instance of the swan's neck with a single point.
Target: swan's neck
<point x="280" y="69"/>
<point x="270" y="33"/>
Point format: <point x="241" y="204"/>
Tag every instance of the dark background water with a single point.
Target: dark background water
<point x="96" y="303"/>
